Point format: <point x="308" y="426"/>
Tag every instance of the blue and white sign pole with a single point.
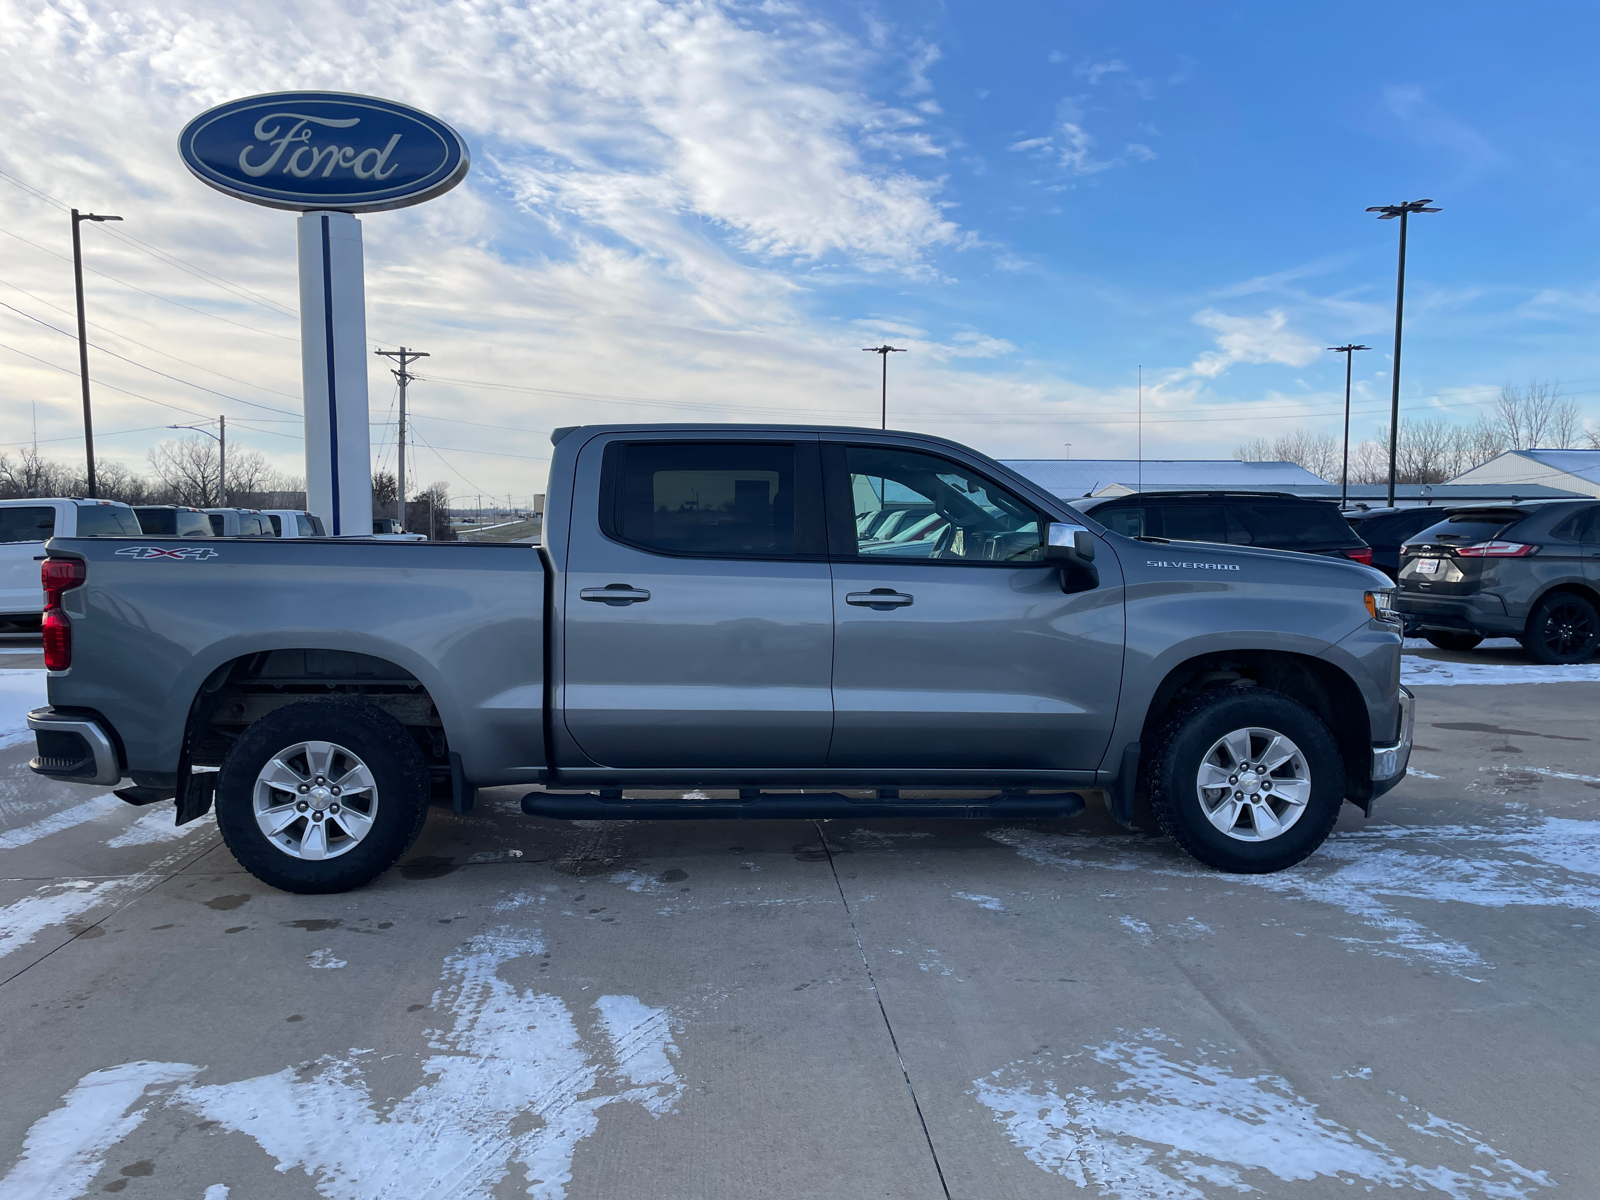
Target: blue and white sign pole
<point x="329" y="156"/>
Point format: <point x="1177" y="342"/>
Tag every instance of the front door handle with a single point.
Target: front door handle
<point x="615" y="594"/>
<point x="879" y="599"/>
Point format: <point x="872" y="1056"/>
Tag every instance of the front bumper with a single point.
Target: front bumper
<point x="1389" y="762"/>
<point x="73" y="748"/>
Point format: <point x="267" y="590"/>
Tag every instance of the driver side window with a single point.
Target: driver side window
<point x="908" y="505"/>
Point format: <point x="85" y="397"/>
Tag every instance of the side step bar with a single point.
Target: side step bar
<point x="590" y="806"/>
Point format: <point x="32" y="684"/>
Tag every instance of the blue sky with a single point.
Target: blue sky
<point x="699" y="210"/>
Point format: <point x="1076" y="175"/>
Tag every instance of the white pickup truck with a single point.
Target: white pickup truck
<point x="25" y="526"/>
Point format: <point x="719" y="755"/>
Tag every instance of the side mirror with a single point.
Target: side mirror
<point x="1072" y="548"/>
<point x="1068" y="544"/>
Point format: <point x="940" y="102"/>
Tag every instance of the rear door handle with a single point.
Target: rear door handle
<point x="880" y="599"/>
<point x="615" y="594"/>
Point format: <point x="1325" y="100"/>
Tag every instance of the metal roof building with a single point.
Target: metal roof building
<point x="1074" y="478"/>
<point x="1571" y="470"/>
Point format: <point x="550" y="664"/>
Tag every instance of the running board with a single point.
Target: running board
<point x="591" y="806"/>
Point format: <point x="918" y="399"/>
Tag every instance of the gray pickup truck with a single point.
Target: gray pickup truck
<point x="762" y="621"/>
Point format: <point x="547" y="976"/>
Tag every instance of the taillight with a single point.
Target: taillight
<point x="57" y="640"/>
<point x="1363" y="555"/>
<point x="1496" y="550"/>
<point x="58" y="575"/>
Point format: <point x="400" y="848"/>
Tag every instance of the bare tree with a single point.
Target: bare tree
<point x="383" y="494"/>
<point x="1536" y="416"/>
<point x="1316" y="452"/>
<point x="190" y="469"/>
<point x="431" y="507"/>
<point x="30" y="474"/>
<point x="249" y="473"/>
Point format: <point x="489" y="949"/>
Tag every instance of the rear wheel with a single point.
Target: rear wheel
<point x="1563" y="628"/>
<point x="322" y="796"/>
<point x="1446" y="640"/>
<point x="1247" y="780"/>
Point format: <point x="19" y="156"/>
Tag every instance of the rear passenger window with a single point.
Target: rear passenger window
<point x="193" y="525"/>
<point x="107" y="520"/>
<point x="1194" y="523"/>
<point x="1286" y="526"/>
<point x="1580" y="527"/>
<point x="27" y="524"/>
<point x="713" y="499"/>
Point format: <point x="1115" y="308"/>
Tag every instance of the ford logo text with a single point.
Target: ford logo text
<point x="324" y="150"/>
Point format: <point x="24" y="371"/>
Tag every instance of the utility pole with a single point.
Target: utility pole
<point x="405" y="358"/>
<point x="1344" y="472"/>
<point x="83" y="341"/>
<point x="883" y="352"/>
<point x="1387" y="212"/>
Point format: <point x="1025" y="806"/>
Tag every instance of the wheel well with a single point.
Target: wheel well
<point x="1576" y="589"/>
<point x="1321" y="687"/>
<point x="241" y="692"/>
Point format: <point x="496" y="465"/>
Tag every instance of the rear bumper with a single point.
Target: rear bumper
<point x="1389" y="761"/>
<point x="73" y="748"/>
<point x="1483" y="613"/>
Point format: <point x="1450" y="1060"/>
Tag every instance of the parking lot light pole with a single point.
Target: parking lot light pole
<point x="1344" y="472"/>
<point x="1387" y="212"/>
<point x="83" y="341"/>
<point x="884" y="351"/>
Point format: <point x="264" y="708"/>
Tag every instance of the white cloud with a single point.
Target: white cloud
<point x="1263" y="339"/>
<point x="1429" y="124"/>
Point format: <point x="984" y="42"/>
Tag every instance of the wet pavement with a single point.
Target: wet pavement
<point x="874" y="1009"/>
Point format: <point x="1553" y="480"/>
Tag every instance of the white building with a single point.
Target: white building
<point x="1074" y="478"/>
<point x="1571" y="470"/>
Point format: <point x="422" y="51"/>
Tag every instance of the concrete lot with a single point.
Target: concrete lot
<point x="875" y="1009"/>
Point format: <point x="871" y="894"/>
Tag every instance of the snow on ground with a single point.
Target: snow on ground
<point x="1152" y="1123"/>
<point x="1433" y="672"/>
<point x="512" y="1086"/>
<point x="20" y="690"/>
<point x="1371" y="874"/>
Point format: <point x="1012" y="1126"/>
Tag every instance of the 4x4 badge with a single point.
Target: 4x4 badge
<point x="190" y="552"/>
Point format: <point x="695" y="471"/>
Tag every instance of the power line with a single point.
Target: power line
<point x="144" y="346"/>
<point x="102" y="383"/>
<point x="274" y="306"/>
<point x="142" y="366"/>
<point x="152" y="295"/>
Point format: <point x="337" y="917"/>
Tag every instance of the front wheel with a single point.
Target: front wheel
<point x="322" y="796"/>
<point x="1446" y="640"/>
<point x="1563" y="629"/>
<point x="1246" y="780"/>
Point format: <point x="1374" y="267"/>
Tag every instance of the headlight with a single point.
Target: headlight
<point x="1381" y="606"/>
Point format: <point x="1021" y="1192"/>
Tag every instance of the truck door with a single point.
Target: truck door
<point x="697" y="610"/>
<point x="24" y="529"/>
<point x="954" y="645"/>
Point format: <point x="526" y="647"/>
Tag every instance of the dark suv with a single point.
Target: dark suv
<point x="1387" y="529"/>
<point x="1275" y="520"/>
<point x="1531" y="571"/>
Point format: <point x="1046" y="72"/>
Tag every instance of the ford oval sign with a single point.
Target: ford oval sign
<point x="316" y="150"/>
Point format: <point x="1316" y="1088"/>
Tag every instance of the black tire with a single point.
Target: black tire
<point x="385" y="748"/>
<point x="1563" y="628"/>
<point x="1446" y="640"/>
<point x="1181" y="747"/>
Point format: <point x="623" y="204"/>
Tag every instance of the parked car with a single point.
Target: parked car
<point x="240" y="522"/>
<point x="292" y="522"/>
<point x="389" y="529"/>
<point x="1529" y="571"/>
<point x="1275" y="520"/>
<point x="1387" y="529"/>
<point x="704" y="614"/>
<point x="25" y="525"/>
<point x="173" y="520"/>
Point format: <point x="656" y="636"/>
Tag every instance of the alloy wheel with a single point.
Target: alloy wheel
<point x="1253" y="784"/>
